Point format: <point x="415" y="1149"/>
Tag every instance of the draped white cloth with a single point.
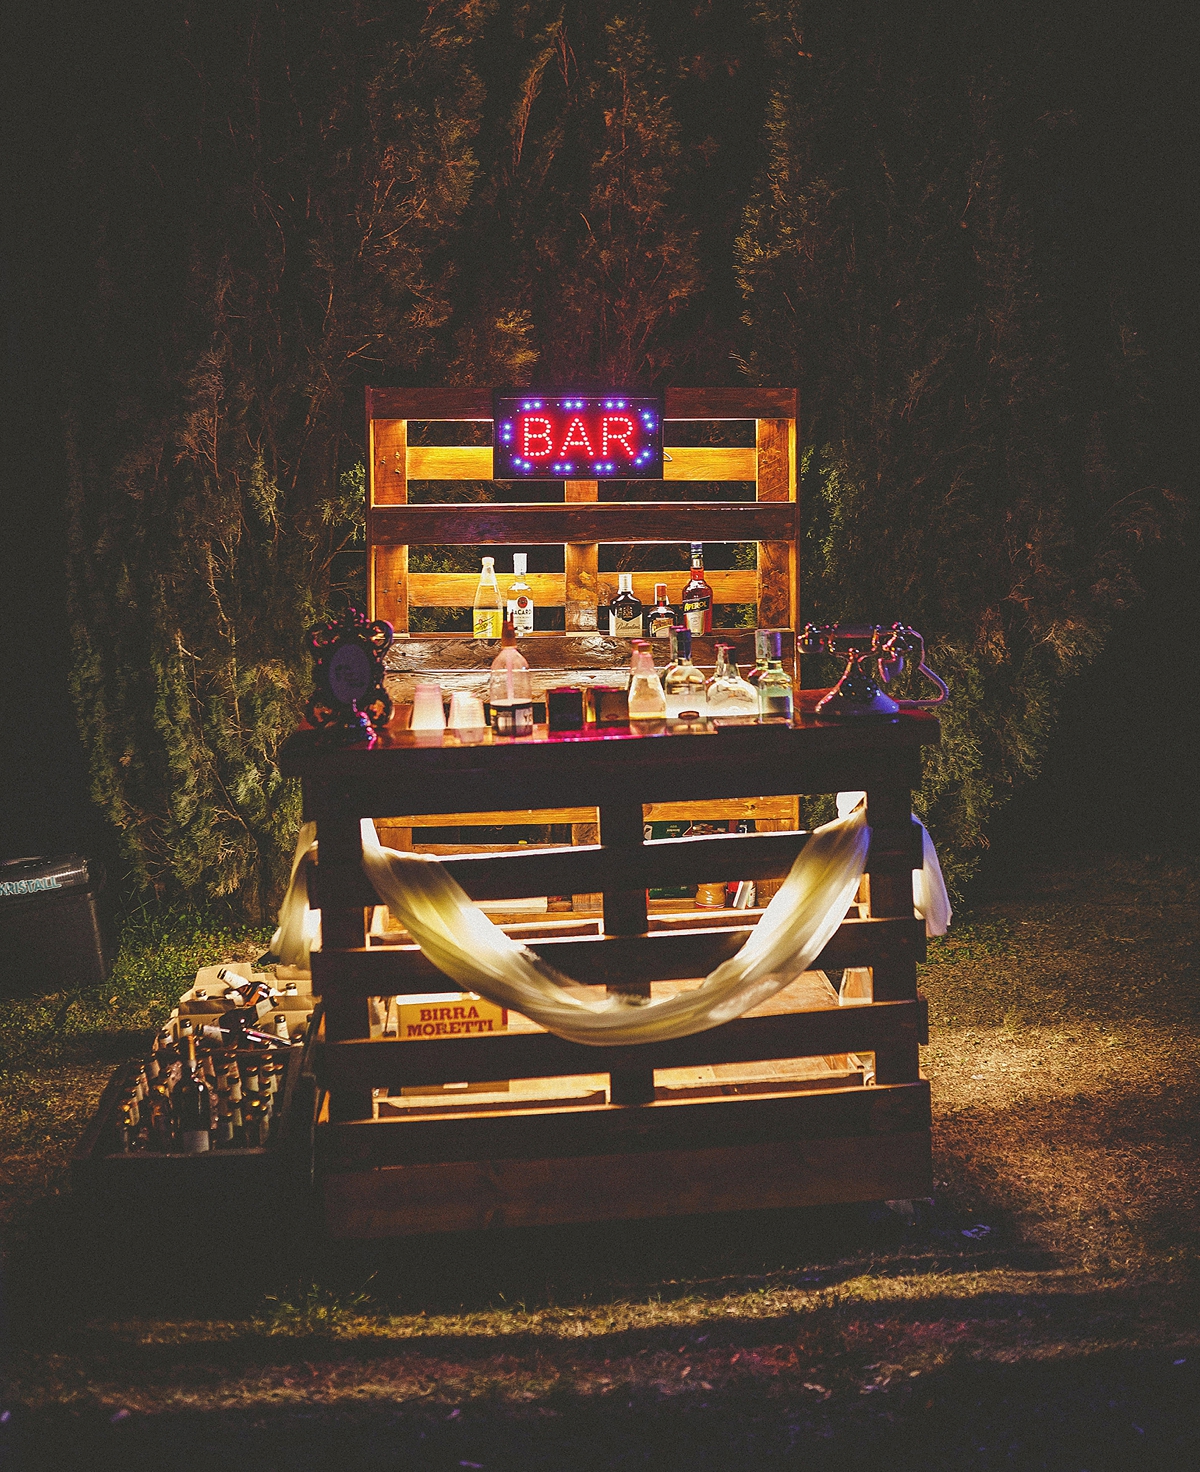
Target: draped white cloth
<point x="476" y="954"/>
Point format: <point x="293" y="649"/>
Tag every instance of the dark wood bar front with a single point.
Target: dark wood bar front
<point x="786" y="1130"/>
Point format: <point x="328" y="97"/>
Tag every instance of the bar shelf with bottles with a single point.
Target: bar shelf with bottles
<point x="222" y="1098"/>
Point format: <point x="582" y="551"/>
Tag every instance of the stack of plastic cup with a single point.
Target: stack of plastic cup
<point x="427" y="713"/>
<point x="466" y="711"/>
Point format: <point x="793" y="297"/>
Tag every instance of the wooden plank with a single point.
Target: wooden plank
<point x="686" y="463"/>
<point x="604" y="521"/>
<point x="593" y="961"/>
<point x="393" y="1064"/>
<point x="474" y="1195"/>
<point x="708" y="462"/>
<point x="450" y="462"/>
<point x="429" y="403"/>
<point x="573" y="656"/>
<point x="730" y="403"/>
<point x="581" y="562"/>
<point x="387" y="484"/>
<point x="766" y="808"/>
<point x="690" y="1124"/>
<point x="778" y="590"/>
<point x="679" y="403"/>
<point x="507" y="873"/>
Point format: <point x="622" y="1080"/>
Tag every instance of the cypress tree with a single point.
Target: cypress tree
<point x="890" y="269"/>
<point x="271" y="226"/>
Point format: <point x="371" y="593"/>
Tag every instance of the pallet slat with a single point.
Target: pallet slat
<point x="457" y="589"/>
<point x="680" y="463"/>
<point x="471" y="524"/>
<point x="599" y="1130"/>
<point x="678" y="403"/>
<point x="483" y="1194"/>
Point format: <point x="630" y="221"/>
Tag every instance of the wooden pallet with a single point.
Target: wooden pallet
<point x="816" y="1132"/>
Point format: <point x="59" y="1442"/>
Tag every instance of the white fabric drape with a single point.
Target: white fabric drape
<point x="464" y="944"/>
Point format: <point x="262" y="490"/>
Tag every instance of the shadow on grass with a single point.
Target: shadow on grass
<point x="1109" y="1412"/>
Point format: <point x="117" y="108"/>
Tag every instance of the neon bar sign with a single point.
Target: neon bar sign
<point x="544" y="434"/>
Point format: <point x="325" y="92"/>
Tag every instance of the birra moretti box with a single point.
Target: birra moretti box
<point x="449" y="1015"/>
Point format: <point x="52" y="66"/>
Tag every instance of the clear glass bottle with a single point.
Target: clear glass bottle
<point x="520" y="596"/>
<point x="488" y="619"/>
<point x="662" y="618"/>
<point x="646" y="699"/>
<point x="698" y="595"/>
<point x="775" y="684"/>
<point x="762" y="647"/>
<point x="683" y="683"/>
<point x="510" y="689"/>
<point x="625" y="610"/>
<point x="728" y="694"/>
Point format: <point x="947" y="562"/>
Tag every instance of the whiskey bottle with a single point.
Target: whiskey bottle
<point x="646" y="699"/>
<point x="698" y="596"/>
<point x="625" y="610"/>
<point x="488" y="618"/>
<point x="660" y="619"/>
<point x="510" y="689"/>
<point x="683" y="683"/>
<point x="190" y="1103"/>
<point x="520" y="597"/>
<point x="775" y="684"/>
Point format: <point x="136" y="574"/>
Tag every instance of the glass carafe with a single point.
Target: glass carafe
<point x="683" y="683"/>
<point x="646" y="699"/>
<point x="728" y="694"/>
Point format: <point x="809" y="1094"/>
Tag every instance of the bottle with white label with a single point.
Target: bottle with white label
<point x="698" y="595"/>
<point x="488" y="620"/>
<point x="520" y="597"/>
<point x="625" y="610"/>
<point x="510" y="690"/>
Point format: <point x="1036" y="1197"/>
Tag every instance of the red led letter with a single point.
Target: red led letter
<point x="576" y="438"/>
<point x="619" y="429"/>
<point x="541" y="434"/>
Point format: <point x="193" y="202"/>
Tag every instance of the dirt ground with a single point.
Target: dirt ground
<point x="1041" y="1313"/>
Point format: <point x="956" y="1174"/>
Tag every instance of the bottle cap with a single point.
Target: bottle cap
<point x="624" y="582"/>
<point x="488" y="561"/>
<point x="681" y="641"/>
<point x="520" y="563"/>
<point x="660" y="592"/>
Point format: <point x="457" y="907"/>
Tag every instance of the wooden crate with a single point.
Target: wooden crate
<point x="156" y="1195"/>
<point x="620" y="1131"/>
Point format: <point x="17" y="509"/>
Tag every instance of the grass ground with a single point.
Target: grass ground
<point x="1042" y="1314"/>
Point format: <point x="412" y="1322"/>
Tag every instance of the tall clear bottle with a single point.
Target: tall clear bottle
<point x="510" y="689"/>
<point x="488" y="619"/>
<point x="683" y="683"/>
<point x="775" y="684"/>
<point x="728" y="694"/>
<point x="762" y="653"/>
<point x="646" y="699"/>
<point x="520" y="597"/>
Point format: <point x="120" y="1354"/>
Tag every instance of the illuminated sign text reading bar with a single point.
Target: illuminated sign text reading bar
<point x="541" y="434"/>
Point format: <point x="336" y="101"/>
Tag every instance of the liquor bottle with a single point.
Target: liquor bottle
<point x="660" y="619"/>
<point x="698" y="596"/>
<point x="646" y="699"/>
<point x="625" y="610"/>
<point x="520" y="597"/>
<point x="775" y="684"/>
<point x="728" y="694"/>
<point x="683" y="683"/>
<point x="510" y="689"/>
<point x="488" y="619"/>
<point x="762" y="646"/>
<point x="191" y="1104"/>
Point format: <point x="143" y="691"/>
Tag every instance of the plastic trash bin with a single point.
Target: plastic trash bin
<point x="53" y="932"/>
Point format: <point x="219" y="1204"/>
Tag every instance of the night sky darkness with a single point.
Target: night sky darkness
<point x="1122" y="767"/>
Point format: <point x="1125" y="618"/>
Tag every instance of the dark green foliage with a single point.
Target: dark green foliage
<point x="958" y="477"/>
<point x="292" y="201"/>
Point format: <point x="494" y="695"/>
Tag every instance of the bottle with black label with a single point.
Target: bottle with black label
<point x="520" y="597"/>
<point x="662" y="618"/>
<point x="190" y="1102"/>
<point x="698" y="596"/>
<point x="625" y="610"/>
